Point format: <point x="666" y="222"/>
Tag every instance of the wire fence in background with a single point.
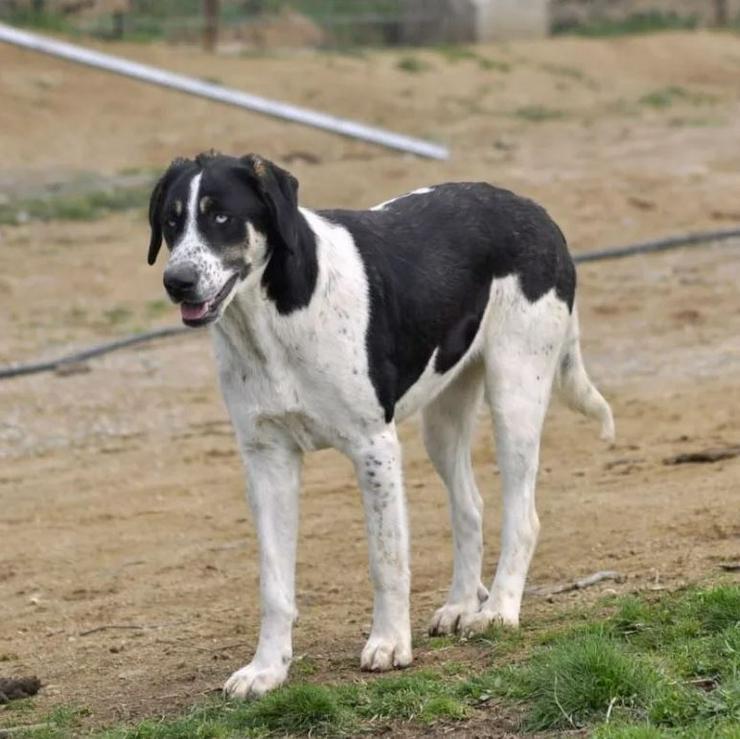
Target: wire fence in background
<point x="259" y="23"/>
<point x="272" y="24"/>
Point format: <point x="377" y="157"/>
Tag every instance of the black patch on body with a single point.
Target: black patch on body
<point x="430" y="259"/>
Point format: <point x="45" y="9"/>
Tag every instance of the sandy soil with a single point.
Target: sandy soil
<point x="120" y="488"/>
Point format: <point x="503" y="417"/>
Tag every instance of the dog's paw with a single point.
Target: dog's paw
<point x="471" y="624"/>
<point x="381" y="654"/>
<point x="447" y="619"/>
<point x="254" y="681"/>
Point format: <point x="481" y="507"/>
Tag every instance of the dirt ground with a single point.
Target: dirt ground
<point x="120" y="488"/>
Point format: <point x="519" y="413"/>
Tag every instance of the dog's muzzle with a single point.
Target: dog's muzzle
<point x="181" y="283"/>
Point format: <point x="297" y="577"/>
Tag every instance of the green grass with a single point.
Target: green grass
<point x="412" y="64"/>
<point x="485" y="62"/>
<point x="636" y="23"/>
<point x="46" y="21"/>
<point x="538" y="113"/>
<point x="453" y="54"/>
<point x="117" y="315"/>
<point x="84" y="207"/>
<point x="582" y="678"/>
<point x="157" y="308"/>
<point x="665" y="97"/>
<point x="635" y="667"/>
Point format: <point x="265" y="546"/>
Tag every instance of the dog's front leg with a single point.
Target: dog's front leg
<point x="379" y="472"/>
<point x="273" y="483"/>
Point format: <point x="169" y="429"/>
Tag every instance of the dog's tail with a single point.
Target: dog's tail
<point x="574" y="385"/>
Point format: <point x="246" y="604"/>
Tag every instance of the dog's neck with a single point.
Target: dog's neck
<point x="285" y="282"/>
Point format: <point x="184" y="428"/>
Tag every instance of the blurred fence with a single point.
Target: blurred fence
<point x="346" y="23"/>
<point x="266" y="23"/>
<point x="609" y="17"/>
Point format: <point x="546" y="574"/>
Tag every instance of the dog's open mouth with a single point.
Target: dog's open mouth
<point x="198" y="314"/>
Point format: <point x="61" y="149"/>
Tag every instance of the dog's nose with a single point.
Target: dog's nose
<point x="180" y="280"/>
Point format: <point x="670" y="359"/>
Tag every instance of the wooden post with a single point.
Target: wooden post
<point x="720" y="12"/>
<point x="119" y="25"/>
<point x="210" y="24"/>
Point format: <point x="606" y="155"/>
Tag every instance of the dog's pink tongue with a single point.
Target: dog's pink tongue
<point x="193" y="311"/>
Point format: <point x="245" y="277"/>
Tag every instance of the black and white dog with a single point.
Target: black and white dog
<point x="331" y="326"/>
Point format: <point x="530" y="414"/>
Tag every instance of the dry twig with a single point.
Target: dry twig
<point x="584" y="582"/>
<point x="112" y="626"/>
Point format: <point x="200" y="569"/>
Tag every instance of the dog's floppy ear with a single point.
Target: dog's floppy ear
<point x="156" y="203"/>
<point x="279" y="191"/>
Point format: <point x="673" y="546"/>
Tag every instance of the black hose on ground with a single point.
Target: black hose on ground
<point x="644" y="247"/>
<point x="16" y="370"/>
<point x="649" y="247"/>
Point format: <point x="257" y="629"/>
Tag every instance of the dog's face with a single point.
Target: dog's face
<point x="221" y="218"/>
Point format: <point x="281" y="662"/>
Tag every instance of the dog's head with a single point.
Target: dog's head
<point x="221" y="218"/>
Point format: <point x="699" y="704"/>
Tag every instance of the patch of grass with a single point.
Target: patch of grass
<point x="62" y="723"/>
<point x="85" y="207"/>
<point x="501" y="640"/>
<point x="538" y="113"/>
<point x="117" y="315"/>
<point x="562" y="70"/>
<point x="656" y="667"/>
<point x="441" y="642"/>
<point x="20" y="706"/>
<point x="665" y="97"/>
<point x="636" y="23"/>
<point x="617" y="731"/>
<point x="37" y="20"/>
<point x="157" y="308"/>
<point x="303" y="708"/>
<point x="454" y="53"/>
<point x="663" y="665"/>
<point x="442" y="708"/>
<point x="412" y="64"/>
<point x="303" y="666"/>
<point x="423" y="696"/>
<point x="485" y="62"/>
<point x="716" y="609"/>
<point x="693" y="122"/>
<point x="570" y="73"/>
<point x="298" y="709"/>
<point x="578" y="680"/>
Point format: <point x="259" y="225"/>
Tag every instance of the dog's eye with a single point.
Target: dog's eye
<point x="172" y="222"/>
<point x="221" y="218"/>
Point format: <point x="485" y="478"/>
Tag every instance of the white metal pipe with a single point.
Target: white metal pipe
<point x="230" y="96"/>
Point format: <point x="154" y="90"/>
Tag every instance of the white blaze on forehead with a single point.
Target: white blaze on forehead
<point x="191" y="229"/>
<point x="190" y="243"/>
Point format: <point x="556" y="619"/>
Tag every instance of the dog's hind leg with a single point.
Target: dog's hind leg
<point x="448" y="423"/>
<point x="522" y="351"/>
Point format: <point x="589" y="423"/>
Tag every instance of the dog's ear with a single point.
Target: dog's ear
<point x="156" y="203"/>
<point x="279" y="191"/>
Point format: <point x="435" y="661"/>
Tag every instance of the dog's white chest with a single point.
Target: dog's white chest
<point x="299" y="387"/>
